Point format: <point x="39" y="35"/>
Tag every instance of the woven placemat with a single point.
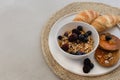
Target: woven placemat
<point x="74" y="7"/>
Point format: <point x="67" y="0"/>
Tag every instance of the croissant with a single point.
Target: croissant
<point x="86" y="16"/>
<point x="105" y="22"/>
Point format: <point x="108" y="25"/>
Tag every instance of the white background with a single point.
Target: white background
<point x="21" y="22"/>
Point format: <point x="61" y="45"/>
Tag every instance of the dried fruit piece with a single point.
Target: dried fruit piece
<point x="66" y="34"/>
<point x="65" y="47"/>
<point x="76" y="31"/>
<point x="73" y="37"/>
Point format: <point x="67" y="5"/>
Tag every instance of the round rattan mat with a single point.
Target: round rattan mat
<point x="75" y="7"/>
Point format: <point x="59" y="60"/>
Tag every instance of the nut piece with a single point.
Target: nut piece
<point x="110" y="58"/>
<point x="99" y="56"/>
<point x="110" y="54"/>
<point x="106" y="62"/>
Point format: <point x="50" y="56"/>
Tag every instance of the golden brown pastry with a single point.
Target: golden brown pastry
<point x="109" y="42"/>
<point x="86" y="16"/>
<point x="107" y="58"/>
<point x="105" y="22"/>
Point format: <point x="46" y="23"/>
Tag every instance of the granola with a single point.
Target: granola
<point x="76" y="41"/>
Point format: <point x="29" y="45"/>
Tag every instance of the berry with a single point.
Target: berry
<point x="91" y="65"/>
<point x="66" y="34"/>
<point x="73" y="37"/>
<point x="85" y="40"/>
<point x="79" y="53"/>
<point x="86" y="35"/>
<point x="87" y="61"/>
<point x="87" y="65"/>
<point x="80" y="28"/>
<point x="81" y="37"/>
<point x="108" y="38"/>
<point x="83" y="53"/>
<point x="86" y="69"/>
<point x="65" y="47"/>
<point x="60" y="37"/>
<point x="89" y="33"/>
<point x="76" y="31"/>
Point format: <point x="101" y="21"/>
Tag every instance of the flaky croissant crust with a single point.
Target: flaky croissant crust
<point x="86" y="16"/>
<point x="105" y="22"/>
<point x="100" y="22"/>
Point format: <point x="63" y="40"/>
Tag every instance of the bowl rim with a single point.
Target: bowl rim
<point x="66" y="53"/>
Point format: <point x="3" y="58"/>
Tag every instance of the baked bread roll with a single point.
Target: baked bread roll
<point x="86" y="16"/>
<point x="109" y="42"/>
<point x="107" y="58"/>
<point x="105" y="22"/>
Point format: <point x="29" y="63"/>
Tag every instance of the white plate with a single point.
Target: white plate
<point x="75" y="66"/>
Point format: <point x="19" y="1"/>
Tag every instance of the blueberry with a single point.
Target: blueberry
<point x="86" y="35"/>
<point x="73" y="37"/>
<point x="60" y="37"/>
<point x="76" y="31"/>
<point x="87" y="61"/>
<point x="91" y="65"/>
<point x="108" y="38"/>
<point x="79" y="53"/>
<point x="65" y="47"/>
<point x="89" y="33"/>
<point x="87" y="65"/>
<point x="81" y="37"/>
<point x="85" y="40"/>
<point x="80" y="28"/>
<point x="86" y="69"/>
<point x="66" y="34"/>
<point x="82" y="53"/>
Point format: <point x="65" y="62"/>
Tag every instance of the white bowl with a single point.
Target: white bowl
<point x="86" y="27"/>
